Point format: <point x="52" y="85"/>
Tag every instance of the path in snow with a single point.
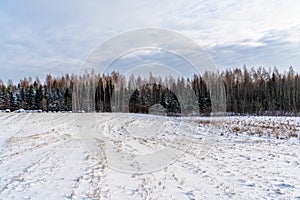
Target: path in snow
<point x="43" y="157"/>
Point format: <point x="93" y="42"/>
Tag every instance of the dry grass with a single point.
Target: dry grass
<point x="203" y="122"/>
<point x="280" y="128"/>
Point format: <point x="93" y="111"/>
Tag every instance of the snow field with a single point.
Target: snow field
<point x="44" y="156"/>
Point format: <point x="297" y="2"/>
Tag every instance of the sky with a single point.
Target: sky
<point x="38" y="37"/>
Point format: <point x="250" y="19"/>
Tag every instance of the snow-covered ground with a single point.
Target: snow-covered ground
<point x="121" y="156"/>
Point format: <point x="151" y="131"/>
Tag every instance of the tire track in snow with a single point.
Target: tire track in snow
<point x="6" y="117"/>
<point x="30" y="139"/>
<point x="39" y="168"/>
<point x="11" y="128"/>
<point x="92" y="179"/>
<point x="236" y="167"/>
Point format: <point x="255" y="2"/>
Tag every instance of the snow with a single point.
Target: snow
<point x="79" y="156"/>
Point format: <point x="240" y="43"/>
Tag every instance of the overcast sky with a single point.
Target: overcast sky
<point x="54" y="36"/>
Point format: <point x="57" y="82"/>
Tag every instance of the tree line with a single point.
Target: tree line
<point x="55" y="94"/>
<point x="262" y="91"/>
<point x="258" y="91"/>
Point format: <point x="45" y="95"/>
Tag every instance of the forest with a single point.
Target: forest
<point x="252" y="91"/>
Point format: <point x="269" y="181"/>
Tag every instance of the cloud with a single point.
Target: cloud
<point x="39" y="36"/>
<point x="269" y="53"/>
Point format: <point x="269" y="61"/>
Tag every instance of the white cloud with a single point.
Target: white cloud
<point x="36" y="34"/>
